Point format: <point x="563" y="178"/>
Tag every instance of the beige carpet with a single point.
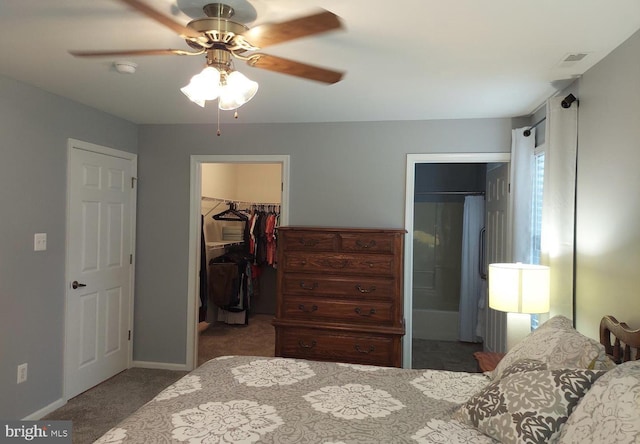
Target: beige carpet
<point x="258" y="338"/>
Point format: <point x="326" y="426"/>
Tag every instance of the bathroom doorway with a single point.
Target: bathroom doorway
<point x="437" y="185"/>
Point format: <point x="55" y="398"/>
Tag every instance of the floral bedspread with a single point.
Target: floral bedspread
<point x="244" y="399"/>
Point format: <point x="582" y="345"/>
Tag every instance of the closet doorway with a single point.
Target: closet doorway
<point x="436" y="190"/>
<point x="225" y="193"/>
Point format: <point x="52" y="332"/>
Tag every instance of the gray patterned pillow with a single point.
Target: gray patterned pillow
<point x="559" y="345"/>
<point x="610" y="411"/>
<point x="527" y="406"/>
<point x="524" y="365"/>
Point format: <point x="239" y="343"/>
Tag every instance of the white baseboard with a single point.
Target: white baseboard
<point x="55" y="405"/>
<point x="160" y="365"/>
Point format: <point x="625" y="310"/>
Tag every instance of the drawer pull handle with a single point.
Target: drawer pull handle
<point x="361" y="244"/>
<point x="371" y="312"/>
<point x="341" y="263"/>
<point x="307" y="287"/>
<point x="303" y="345"/>
<point x="364" y="290"/>
<point x="370" y="350"/>
<point x="308" y="242"/>
<point x="313" y="308"/>
<point x="370" y="264"/>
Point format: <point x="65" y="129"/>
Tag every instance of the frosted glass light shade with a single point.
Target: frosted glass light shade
<point x="519" y="288"/>
<point x="238" y="91"/>
<point x="204" y="86"/>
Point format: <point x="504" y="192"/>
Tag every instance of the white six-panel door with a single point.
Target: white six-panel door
<point x="99" y="272"/>
<point x="497" y="247"/>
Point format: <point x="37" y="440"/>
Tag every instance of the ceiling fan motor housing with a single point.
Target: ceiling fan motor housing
<point x="220" y="59"/>
<point x="218" y="30"/>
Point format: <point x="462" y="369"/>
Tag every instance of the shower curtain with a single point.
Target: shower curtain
<point x="471" y="284"/>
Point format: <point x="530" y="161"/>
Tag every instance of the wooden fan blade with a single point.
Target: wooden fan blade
<point x="286" y="66"/>
<point x="268" y="34"/>
<point x="163" y="19"/>
<point x="132" y="52"/>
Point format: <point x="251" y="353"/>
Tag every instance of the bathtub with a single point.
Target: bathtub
<point x="437" y="325"/>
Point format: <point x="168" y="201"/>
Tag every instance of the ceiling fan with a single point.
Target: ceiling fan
<point x="221" y="39"/>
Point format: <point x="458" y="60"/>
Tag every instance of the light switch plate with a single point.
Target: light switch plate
<point x="40" y="242"/>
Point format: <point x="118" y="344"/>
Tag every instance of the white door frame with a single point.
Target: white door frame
<point x="194" y="231"/>
<point x="133" y="158"/>
<point x="412" y="161"/>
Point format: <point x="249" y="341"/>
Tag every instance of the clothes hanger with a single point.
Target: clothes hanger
<point x="231" y="214"/>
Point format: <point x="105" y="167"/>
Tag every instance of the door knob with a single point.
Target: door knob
<point x="76" y="284"/>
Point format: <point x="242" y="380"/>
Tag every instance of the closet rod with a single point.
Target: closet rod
<point x="217" y="199"/>
<point x="437" y="193"/>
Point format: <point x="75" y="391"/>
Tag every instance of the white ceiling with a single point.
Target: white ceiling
<point x="404" y="59"/>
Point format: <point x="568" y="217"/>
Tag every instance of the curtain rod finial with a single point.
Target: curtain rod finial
<point x="567" y="101"/>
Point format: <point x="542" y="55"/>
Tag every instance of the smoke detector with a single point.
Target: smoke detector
<point x="125" y="67"/>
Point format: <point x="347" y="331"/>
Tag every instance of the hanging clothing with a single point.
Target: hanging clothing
<point x="231" y="282"/>
<point x="270" y="235"/>
<point x="222" y="277"/>
<point x="204" y="291"/>
<point x="263" y="242"/>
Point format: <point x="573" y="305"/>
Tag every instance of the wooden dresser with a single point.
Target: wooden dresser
<point x="339" y="295"/>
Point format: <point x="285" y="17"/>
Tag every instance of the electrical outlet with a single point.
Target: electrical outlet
<point x="40" y="242"/>
<point x="22" y="373"/>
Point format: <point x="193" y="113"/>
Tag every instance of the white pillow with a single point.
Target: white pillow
<point x="559" y="346"/>
<point x="610" y="411"/>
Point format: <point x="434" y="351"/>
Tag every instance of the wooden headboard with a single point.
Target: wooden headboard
<point x="626" y="344"/>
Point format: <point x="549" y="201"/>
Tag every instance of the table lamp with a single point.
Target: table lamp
<point x="520" y="290"/>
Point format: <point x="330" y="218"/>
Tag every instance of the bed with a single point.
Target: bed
<point x="555" y="386"/>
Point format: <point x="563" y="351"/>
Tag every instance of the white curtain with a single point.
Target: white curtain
<point x="558" y="203"/>
<point x="471" y="283"/>
<point x="522" y="172"/>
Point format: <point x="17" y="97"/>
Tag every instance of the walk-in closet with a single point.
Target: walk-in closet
<point x="240" y="207"/>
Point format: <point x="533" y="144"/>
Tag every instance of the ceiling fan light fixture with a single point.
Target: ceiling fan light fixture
<point x="192" y="94"/>
<point x="237" y="91"/>
<point x="204" y="86"/>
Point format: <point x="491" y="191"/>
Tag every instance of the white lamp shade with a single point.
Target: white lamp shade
<point x="238" y="91"/>
<point x="519" y="288"/>
<point x="204" y="86"/>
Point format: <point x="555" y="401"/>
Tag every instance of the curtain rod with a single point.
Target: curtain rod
<point x="527" y="132"/>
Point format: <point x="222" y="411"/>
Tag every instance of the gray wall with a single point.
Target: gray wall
<point x="34" y="128"/>
<point x="608" y="218"/>
<point x="342" y="174"/>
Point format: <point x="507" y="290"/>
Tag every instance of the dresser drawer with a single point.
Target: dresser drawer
<point x="360" y="287"/>
<point x="330" y="345"/>
<point x="339" y="311"/>
<point x="369" y="264"/>
<point x="365" y="242"/>
<point x="308" y="241"/>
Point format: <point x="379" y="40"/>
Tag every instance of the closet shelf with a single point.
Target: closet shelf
<point x="221" y="244"/>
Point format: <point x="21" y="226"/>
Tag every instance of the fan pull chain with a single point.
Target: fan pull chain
<point x="218" y="132"/>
